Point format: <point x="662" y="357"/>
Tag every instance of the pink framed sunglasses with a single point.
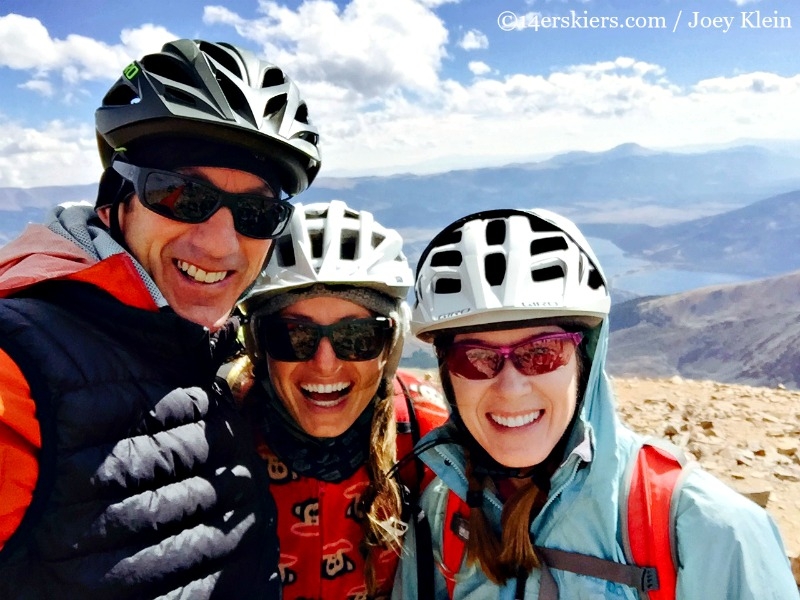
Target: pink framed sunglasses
<point x="535" y="355"/>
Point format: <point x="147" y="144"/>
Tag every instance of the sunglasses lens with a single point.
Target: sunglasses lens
<point x="189" y="201"/>
<point x="172" y="196"/>
<point x="297" y="341"/>
<point x="260" y="217"/>
<point x="363" y="339"/>
<point x="474" y="362"/>
<point x="536" y="356"/>
<point x="288" y="341"/>
<point x="541" y="356"/>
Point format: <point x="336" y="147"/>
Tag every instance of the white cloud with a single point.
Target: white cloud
<point x="363" y="47"/>
<point x="590" y="107"/>
<point x="26" y="45"/>
<point x="41" y="86"/>
<point x="743" y="2"/>
<point x="374" y="80"/>
<point x="55" y="154"/>
<point x="474" y="40"/>
<point x="479" y="68"/>
<point x="436" y="3"/>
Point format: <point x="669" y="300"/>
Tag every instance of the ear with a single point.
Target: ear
<point x="104" y="212"/>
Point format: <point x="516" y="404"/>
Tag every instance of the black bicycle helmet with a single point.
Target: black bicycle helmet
<point x="212" y="92"/>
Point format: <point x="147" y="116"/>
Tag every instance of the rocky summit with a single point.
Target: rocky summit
<point x="747" y="436"/>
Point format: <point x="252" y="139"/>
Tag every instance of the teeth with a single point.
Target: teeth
<point x="327" y="403"/>
<point x="327" y="388"/>
<point x="201" y="275"/>
<point x="518" y="421"/>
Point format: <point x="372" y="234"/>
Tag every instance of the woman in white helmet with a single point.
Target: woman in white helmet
<point x="541" y="492"/>
<point x="324" y="336"/>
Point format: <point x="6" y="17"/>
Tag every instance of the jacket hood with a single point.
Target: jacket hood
<point x="73" y="244"/>
<point x="587" y="480"/>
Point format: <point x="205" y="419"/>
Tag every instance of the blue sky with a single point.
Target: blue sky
<point x="423" y="85"/>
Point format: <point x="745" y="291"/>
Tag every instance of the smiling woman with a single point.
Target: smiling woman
<point x="325" y="333"/>
<point x="534" y="469"/>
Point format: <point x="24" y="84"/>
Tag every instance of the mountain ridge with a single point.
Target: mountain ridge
<point x="745" y="333"/>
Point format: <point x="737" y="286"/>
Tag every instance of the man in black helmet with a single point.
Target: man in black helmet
<point x="125" y="471"/>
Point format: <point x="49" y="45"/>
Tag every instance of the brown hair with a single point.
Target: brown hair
<point x="503" y="558"/>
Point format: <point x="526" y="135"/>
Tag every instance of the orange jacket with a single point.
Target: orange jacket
<point x="40" y="255"/>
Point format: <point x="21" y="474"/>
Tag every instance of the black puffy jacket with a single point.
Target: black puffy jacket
<point x="149" y="484"/>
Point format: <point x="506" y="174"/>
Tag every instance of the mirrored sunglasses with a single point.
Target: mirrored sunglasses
<point x="532" y="356"/>
<point x="295" y="340"/>
<point x="190" y="200"/>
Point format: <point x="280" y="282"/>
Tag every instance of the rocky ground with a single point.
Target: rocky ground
<point x="747" y="436"/>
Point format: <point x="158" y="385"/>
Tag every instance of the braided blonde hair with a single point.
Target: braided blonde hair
<point x="381" y="501"/>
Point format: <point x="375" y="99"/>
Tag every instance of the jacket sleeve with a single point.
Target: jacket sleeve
<point x="20" y="441"/>
<point x="729" y="548"/>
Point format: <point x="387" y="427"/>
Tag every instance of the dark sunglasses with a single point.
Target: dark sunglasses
<point x="190" y="200"/>
<point x="294" y="340"/>
<point x="532" y="356"/>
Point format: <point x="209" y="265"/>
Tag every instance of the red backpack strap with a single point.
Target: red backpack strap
<point x="648" y="516"/>
<point x="418" y="409"/>
<point x="648" y="511"/>
<point x="454" y="539"/>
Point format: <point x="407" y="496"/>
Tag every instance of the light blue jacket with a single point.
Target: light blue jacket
<point x="728" y="547"/>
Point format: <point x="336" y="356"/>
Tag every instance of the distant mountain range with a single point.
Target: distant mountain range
<point x="756" y="240"/>
<point x="737" y="333"/>
<point x="19" y="206"/>
<point x="619" y="195"/>
<point x="704" y="211"/>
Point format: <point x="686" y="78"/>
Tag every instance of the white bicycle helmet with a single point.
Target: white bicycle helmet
<point x="331" y="249"/>
<point x="334" y="244"/>
<point x="507" y="265"/>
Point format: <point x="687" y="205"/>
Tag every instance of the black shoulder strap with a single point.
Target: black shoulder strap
<point x="643" y="579"/>
<point x="425" y="564"/>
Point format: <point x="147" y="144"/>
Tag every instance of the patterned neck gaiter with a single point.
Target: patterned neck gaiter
<point x="327" y="459"/>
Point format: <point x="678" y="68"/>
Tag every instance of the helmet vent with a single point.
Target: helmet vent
<point x="548" y="273"/>
<point x="235" y="97"/>
<point x="449" y="238"/>
<point x="273" y="77"/>
<point x="550" y="244"/>
<point x="168" y="68"/>
<point x="496" y="232"/>
<point x="285" y="251"/>
<point x="595" y="279"/>
<point x="446" y="258"/>
<point x="302" y="114"/>
<point x="120" y="96"/>
<point x="347" y="249"/>
<point x="447" y="285"/>
<point x="222" y="57"/>
<point x="175" y="95"/>
<point x="275" y="104"/>
<point x="316" y="244"/>
<point x="494" y="265"/>
<point x="540" y="225"/>
<point x="308" y="136"/>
